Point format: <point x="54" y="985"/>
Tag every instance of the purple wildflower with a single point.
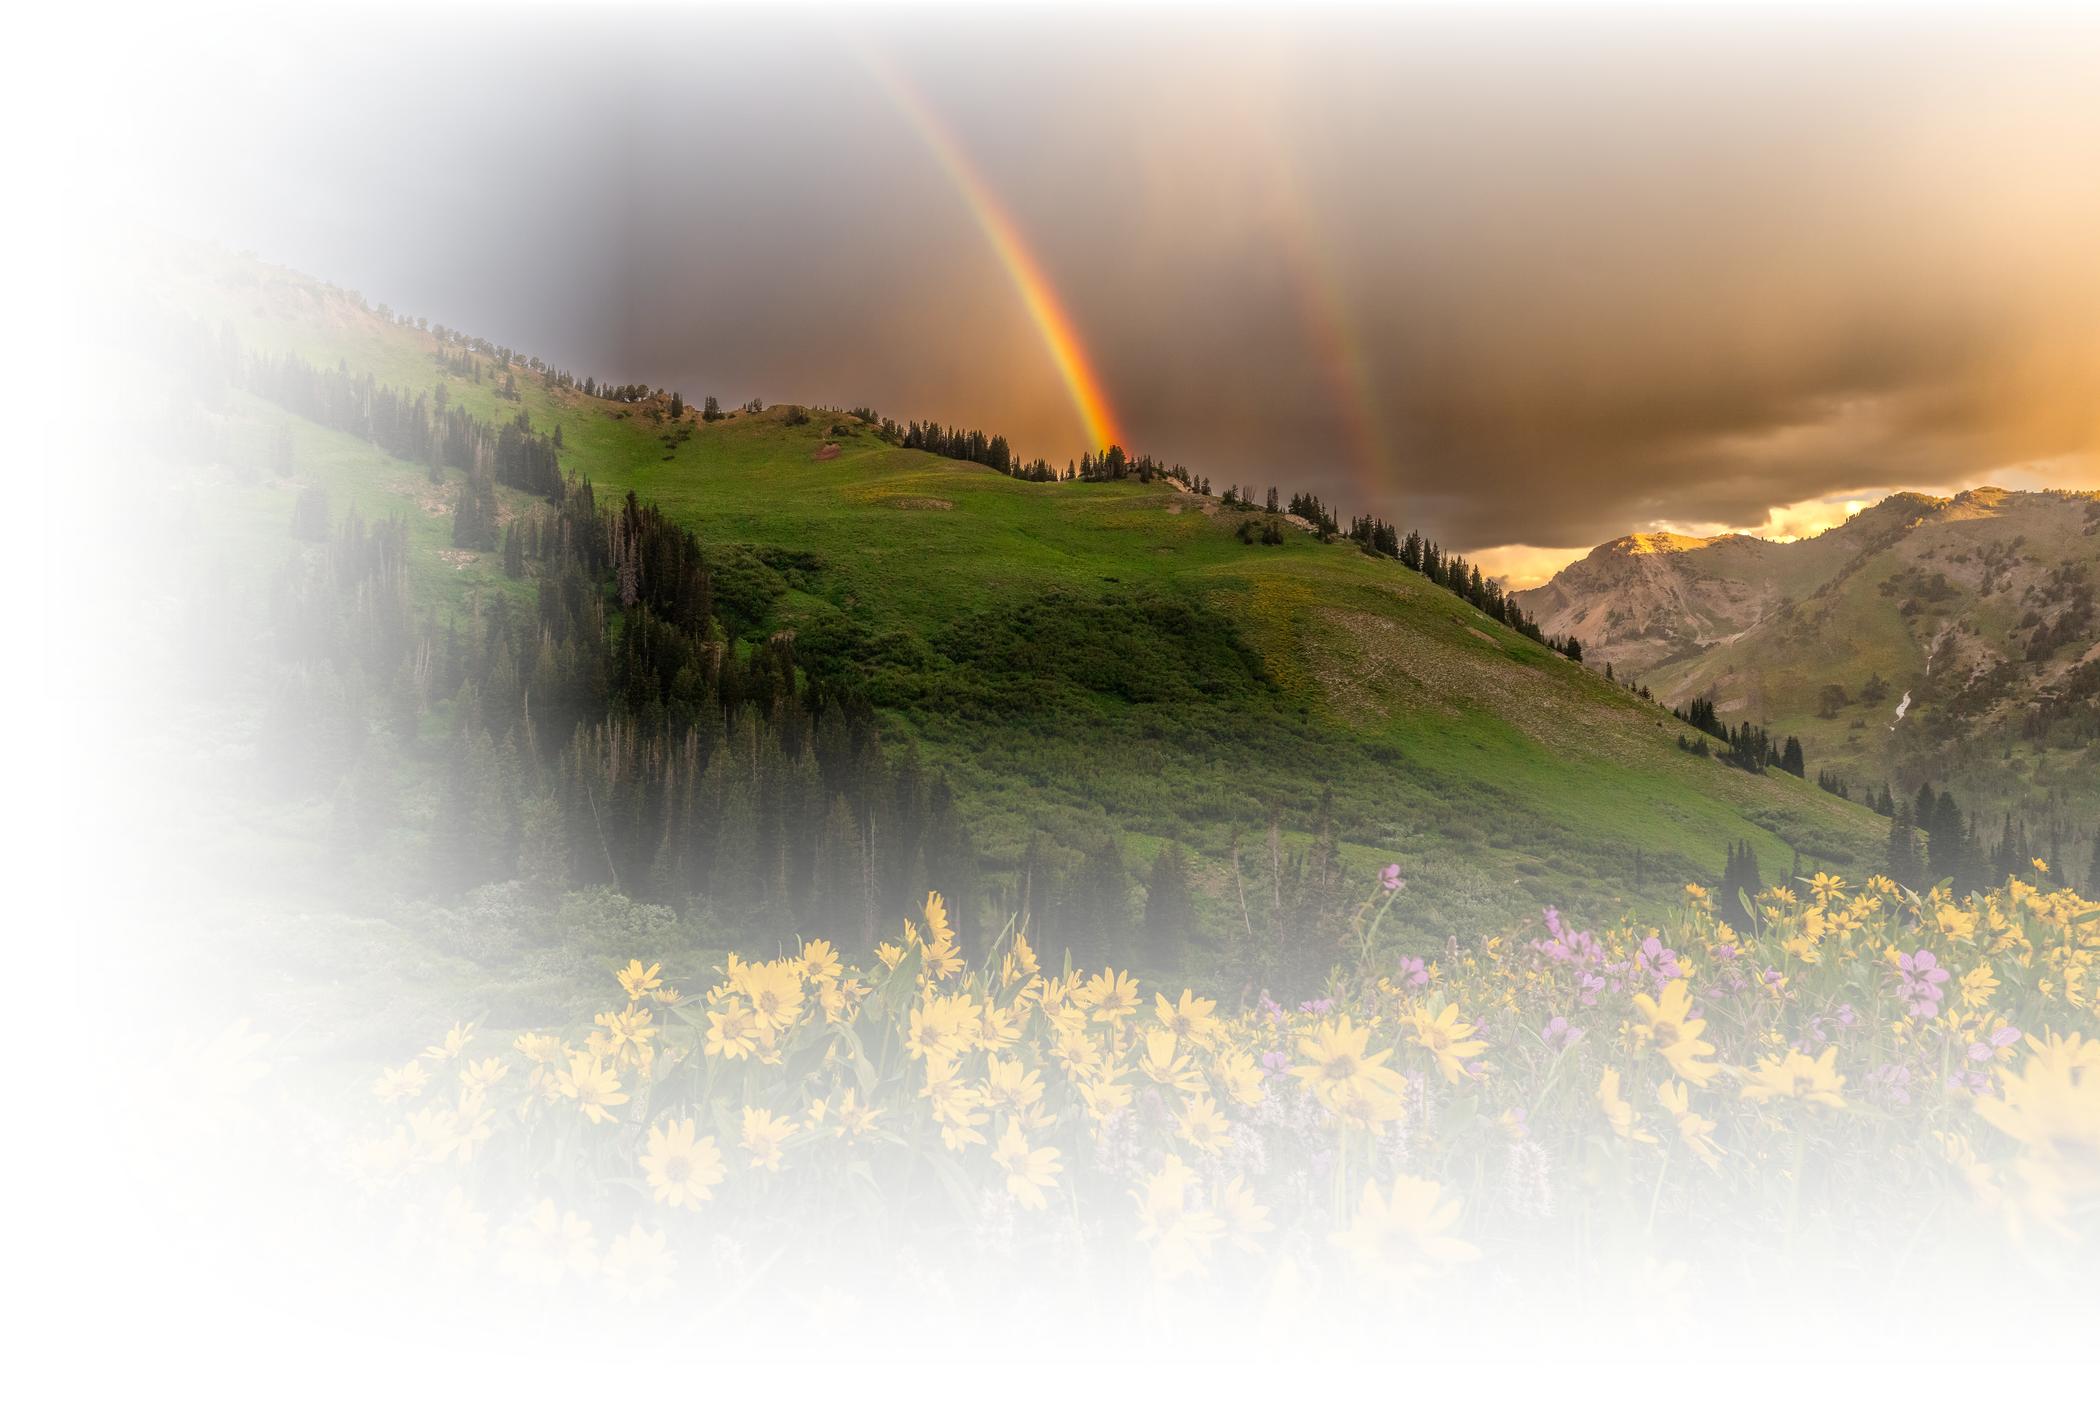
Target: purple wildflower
<point x="1918" y="980"/>
<point x="1657" y="961"/>
<point x="1970" y="1079"/>
<point x="1999" y="1040"/>
<point x="1893" y="1081"/>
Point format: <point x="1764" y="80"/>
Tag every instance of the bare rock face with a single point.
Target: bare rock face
<point x="1645" y="600"/>
<point x="1652" y="603"/>
<point x="1982" y="607"/>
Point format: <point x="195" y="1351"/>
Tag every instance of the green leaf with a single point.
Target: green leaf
<point x="863" y="1069"/>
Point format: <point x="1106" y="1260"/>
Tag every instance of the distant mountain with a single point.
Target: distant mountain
<point x="1979" y="606"/>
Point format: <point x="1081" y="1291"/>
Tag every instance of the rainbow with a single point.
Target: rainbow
<point x="1052" y="322"/>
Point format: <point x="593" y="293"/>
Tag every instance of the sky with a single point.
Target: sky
<point x="1526" y="279"/>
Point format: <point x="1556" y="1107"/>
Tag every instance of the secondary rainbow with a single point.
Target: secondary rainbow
<point x="1325" y="306"/>
<point x="1060" y="338"/>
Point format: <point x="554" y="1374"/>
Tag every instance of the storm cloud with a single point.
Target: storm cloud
<point x="1526" y="279"/>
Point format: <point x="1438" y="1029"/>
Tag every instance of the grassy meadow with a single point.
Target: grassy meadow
<point x="1079" y="656"/>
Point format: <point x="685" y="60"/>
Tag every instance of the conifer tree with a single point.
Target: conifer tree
<point x="1104" y="902"/>
<point x="1900" y="861"/>
<point x="1169" y="910"/>
<point x="1739" y="878"/>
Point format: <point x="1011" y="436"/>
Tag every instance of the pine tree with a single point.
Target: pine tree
<point x="1169" y="910"/>
<point x="310" y="514"/>
<point x="1739" y="878"/>
<point x="1947" y="844"/>
<point x="1900" y="862"/>
<point x="1104" y="902"/>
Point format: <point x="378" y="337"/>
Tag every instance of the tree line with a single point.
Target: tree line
<point x="422" y="428"/>
<point x="1114" y="464"/>
<point x="1931" y="840"/>
<point x="614" y="732"/>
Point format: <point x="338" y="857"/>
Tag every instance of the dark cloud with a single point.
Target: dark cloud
<point x="1580" y="270"/>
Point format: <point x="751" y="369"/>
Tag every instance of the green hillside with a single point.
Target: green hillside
<point x="1078" y="661"/>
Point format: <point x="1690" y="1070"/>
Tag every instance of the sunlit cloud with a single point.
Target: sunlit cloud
<point x="1525" y="287"/>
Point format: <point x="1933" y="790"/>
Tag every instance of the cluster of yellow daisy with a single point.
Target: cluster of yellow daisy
<point x="1824" y="1070"/>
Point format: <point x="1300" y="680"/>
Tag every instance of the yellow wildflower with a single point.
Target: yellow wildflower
<point x="1977" y="985"/>
<point x="482" y="1074"/>
<point x="1795" y="1076"/>
<point x="636" y="981"/>
<point x="853" y="1118"/>
<point x="1617" y="1112"/>
<point x="1240" y="1076"/>
<point x="681" y="1168"/>
<point x="820" y="960"/>
<point x="2051" y="1107"/>
<point x="1165" y="1064"/>
<point x="957" y="1108"/>
<point x="454" y="1043"/>
<point x="1448" y="1039"/>
<point x="1181" y="1236"/>
<point x="1695" y="1131"/>
<point x="1105" y="1095"/>
<point x="1404" y="1235"/>
<point x="764" y="1133"/>
<point x="1009" y="1086"/>
<point x="1668" y="1025"/>
<point x="1193" y="1018"/>
<point x="733" y="1033"/>
<point x="624" y="1037"/>
<point x="1019" y="963"/>
<point x="943" y="1027"/>
<point x="1956" y="923"/>
<point x="941" y="958"/>
<point x="1202" y="1125"/>
<point x="1346" y="1078"/>
<point x="404" y="1082"/>
<point x="1112" y="995"/>
<point x="773" y="990"/>
<point x="1028" y="1170"/>
<point x="593" y="1085"/>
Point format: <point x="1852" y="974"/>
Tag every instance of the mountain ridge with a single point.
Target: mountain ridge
<point x="1978" y="604"/>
